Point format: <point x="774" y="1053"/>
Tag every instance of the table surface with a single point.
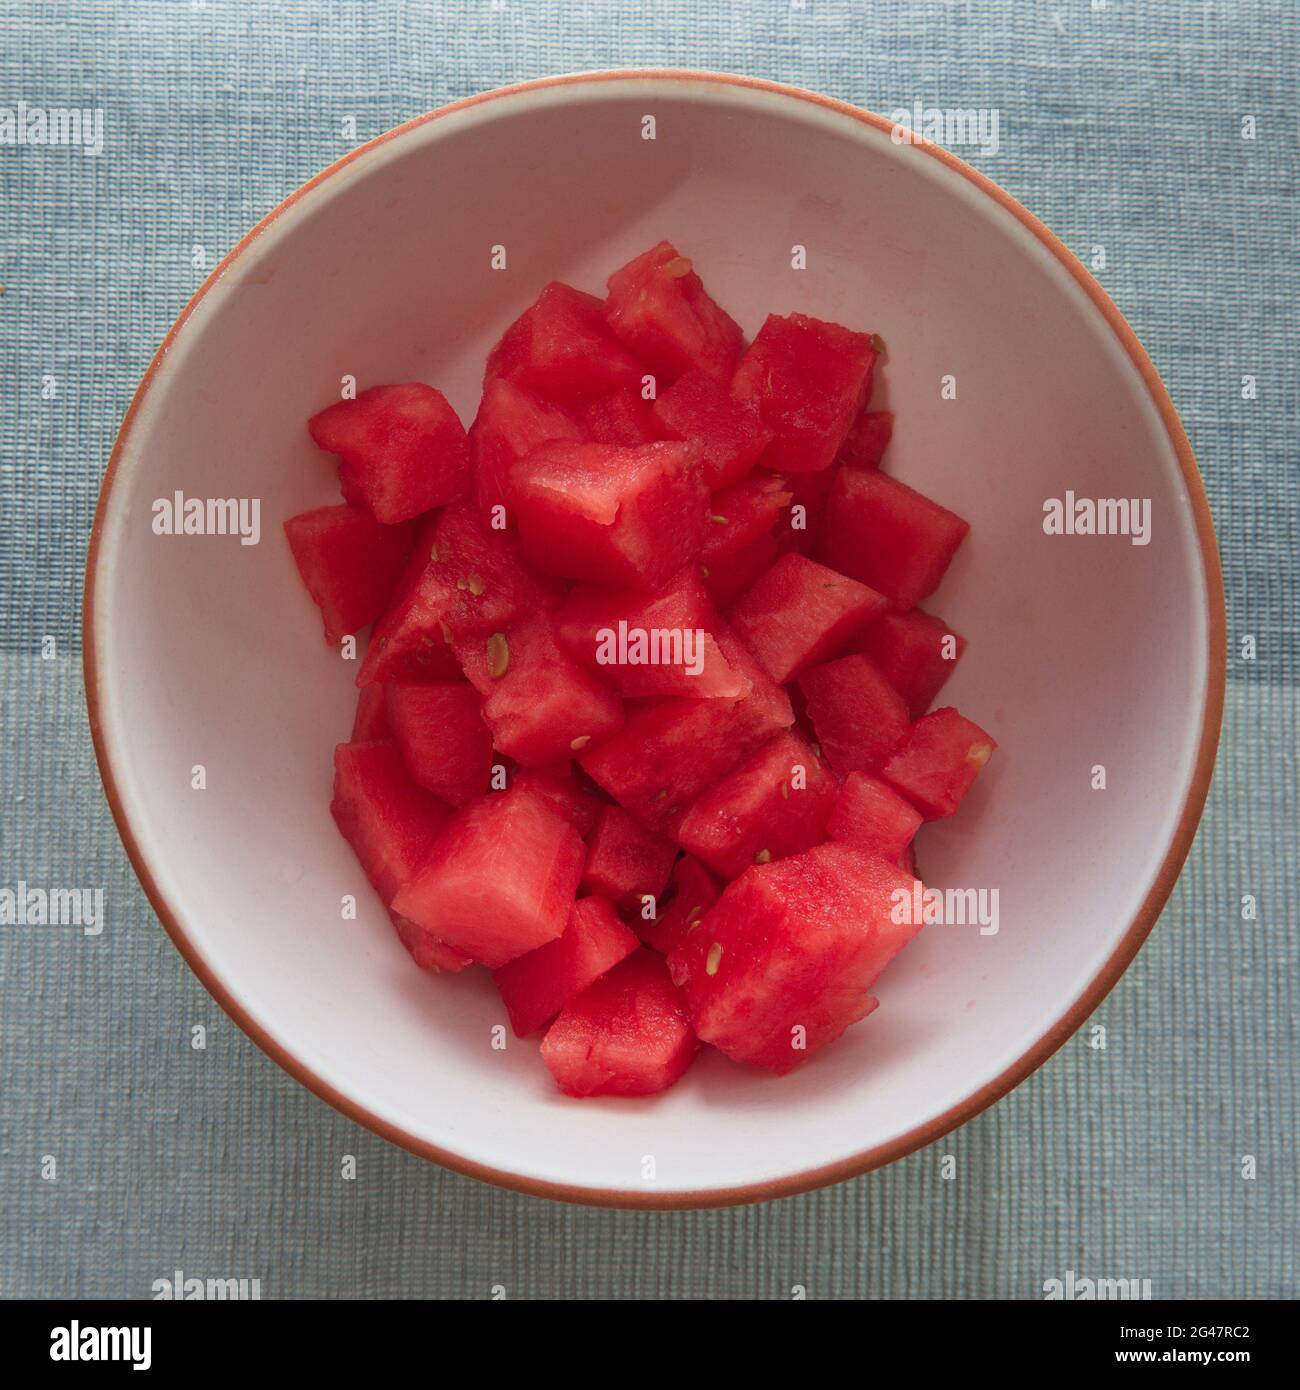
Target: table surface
<point x="1121" y="125"/>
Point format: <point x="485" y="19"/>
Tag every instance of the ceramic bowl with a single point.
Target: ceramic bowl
<point x="1086" y="652"/>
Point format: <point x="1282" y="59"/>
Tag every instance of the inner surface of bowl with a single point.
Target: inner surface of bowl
<point x="1085" y="651"/>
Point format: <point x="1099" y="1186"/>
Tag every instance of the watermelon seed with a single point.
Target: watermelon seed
<point x="764" y="856"/>
<point x="878" y="343"/>
<point x="704" y="570"/>
<point x="714" y="959"/>
<point x="433" y="553"/>
<point x="678" y="267"/>
<point x="693" y="918"/>
<point x="660" y="796"/>
<point x="580" y="742"/>
<point x="446" y="633"/>
<point x="498" y="655"/>
<point x="718" y="520"/>
<point x="475" y="585"/>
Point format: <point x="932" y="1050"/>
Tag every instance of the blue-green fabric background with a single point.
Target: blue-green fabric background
<point x="1121" y="125"/>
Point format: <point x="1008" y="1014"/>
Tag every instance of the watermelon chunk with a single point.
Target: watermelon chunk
<point x="349" y="563"/>
<point x="625" y="860"/>
<point x="859" y="717"/>
<point x="808" y="380"/>
<point x="909" y="649"/>
<point x="500" y="879"/>
<point x="390" y="822"/>
<point x="543" y="706"/>
<point x="867" y="439"/>
<point x="694" y="890"/>
<point x="939" y="762"/>
<point x="561" y="349"/>
<point x="427" y="951"/>
<point x="535" y="987"/>
<point x="510" y="423"/>
<point x="443" y="738"/>
<point x="626" y="1035"/>
<point x="411" y="641"/>
<point x="569" y="791"/>
<point x="658" y="306"/>
<point x="696" y="406"/>
<point x="784" y="961"/>
<point x="668" y="751"/>
<point x="742" y="541"/>
<point x="650" y="644"/>
<point x="801" y="525"/>
<point x="775" y="803"/>
<point x="623" y="418"/>
<point x="889" y="536"/>
<point x="799" y="613"/>
<point x="403" y="449"/>
<point x="872" y="815"/>
<point x="370" y="722"/>
<point x="629" y="517"/>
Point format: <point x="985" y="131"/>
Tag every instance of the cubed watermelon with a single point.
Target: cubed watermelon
<point x="542" y="705"/>
<point x="889" y="536"/>
<point x="568" y="789"/>
<point x="562" y="349"/>
<point x="412" y="640"/>
<point x="626" y="1035"/>
<point x="370" y="722"/>
<point x="427" y="951"/>
<point x="800" y="525"/>
<point x="784" y="961"/>
<point x="500" y="879"/>
<point x="775" y="803"/>
<point x="349" y="563"/>
<point x="916" y="653"/>
<point x="535" y="987"/>
<point x="390" y="821"/>
<point x="668" y="751"/>
<point x="939" y="761"/>
<point x="625" y="860"/>
<point x="403" y="449"/>
<point x="694" y="890"/>
<point x="697" y="406"/>
<point x="510" y="423"/>
<point x="859" y="717"/>
<point x="630" y="517"/>
<point x="623" y="418"/>
<point x="808" y="380"/>
<point x="443" y="738"/>
<point x="658" y="306"/>
<point x="742" y="541"/>
<point x="800" y="613"/>
<point x="867" y="439"/>
<point x="650" y="644"/>
<point x="871" y="814"/>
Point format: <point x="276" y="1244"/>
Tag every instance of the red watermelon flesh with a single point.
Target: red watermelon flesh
<point x="567" y="790"/>
<point x="561" y="349"/>
<point x="443" y="738"/>
<point x="510" y="423"/>
<point x="499" y="881"/>
<point x="349" y="563"/>
<point x="542" y="706"/>
<point x="658" y="306"/>
<point x="623" y="517"/>
<point x="889" y="536"/>
<point x="623" y="418"/>
<point x="871" y="815"/>
<point x="800" y="613"/>
<point x="909" y="650"/>
<point x="807" y="380"/>
<point x="742" y="540"/>
<point x="403" y="449"/>
<point x="427" y="951"/>
<point x="800" y="526"/>
<point x="784" y="961"/>
<point x="775" y="803"/>
<point x="626" y="1035"/>
<point x="697" y="406"/>
<point x="390" y="822"/>
<point x="859" y="717"/>
<point x="867" y="439"/>
<point x="939" y="762"/>
<point x="369" y="722"/>
<point x="412" y="640"/>
<point x="694" y="890"/>
<point x="650" y="644"/>
<point x="625" y="860"/>
<point x="535" y="987"/>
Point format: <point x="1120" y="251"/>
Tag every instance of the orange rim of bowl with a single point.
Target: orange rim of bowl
<point x="1029" y="1061"/>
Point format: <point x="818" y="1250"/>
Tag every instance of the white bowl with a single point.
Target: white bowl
<point x="1083" y="651"/>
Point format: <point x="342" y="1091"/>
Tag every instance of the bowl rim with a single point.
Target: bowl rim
<point x="1033" y="1057"/>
